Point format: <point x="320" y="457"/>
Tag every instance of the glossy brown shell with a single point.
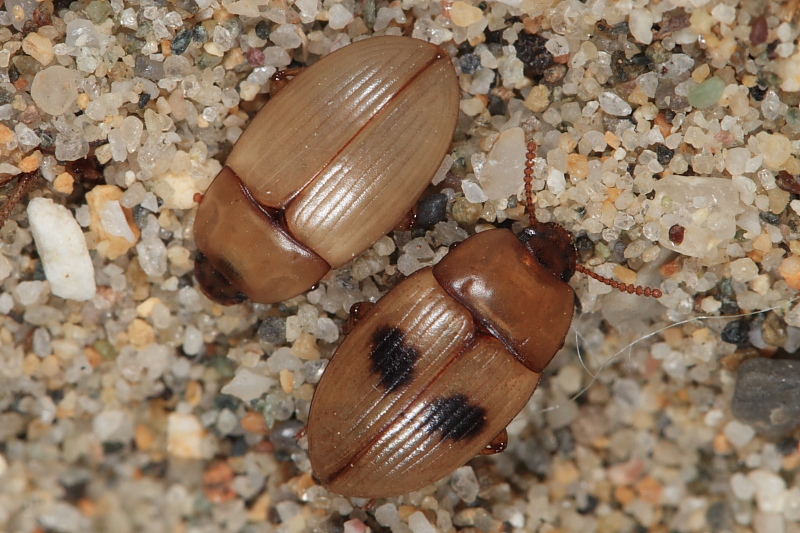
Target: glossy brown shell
<point x="333" y="162"/>
<point x="419" y="388"/>
<point x="521" y="302"/>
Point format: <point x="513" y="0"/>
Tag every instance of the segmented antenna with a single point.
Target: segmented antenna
<point x="622" y="287"/>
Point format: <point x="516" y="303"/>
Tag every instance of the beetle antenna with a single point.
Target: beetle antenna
<point x="622" y="287"/>
<point x="25" y="183"/>
<point x="529" y="157"/>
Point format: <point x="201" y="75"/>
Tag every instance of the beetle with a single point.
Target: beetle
<point x="328" y="166"/>
<point x="435" y="371"/>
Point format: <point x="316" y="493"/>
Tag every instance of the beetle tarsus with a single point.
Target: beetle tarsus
<point x="357" y="311"/>
<point x="498" y="444"/>
<point x="280" y="79"/>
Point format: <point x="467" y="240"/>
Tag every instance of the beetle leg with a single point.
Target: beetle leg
<point x="498" y="444"/>
<point x="357" y="311"/>
<point x="24" y="185"/>
<point x="409" y="220"/>
<point x="367" y="506"/>
<point x="280" y="79"/>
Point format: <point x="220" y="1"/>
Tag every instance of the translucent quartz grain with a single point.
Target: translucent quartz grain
<point x="55" y="90"/>
<point x="614" y="105"/>
<point x="63" y="250"/>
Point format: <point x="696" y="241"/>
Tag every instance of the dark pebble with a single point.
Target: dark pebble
<point x="565" y="441"/>
<point x="786" y="446"/>
<point x="771" y="49"/>
<point x="223" y="401"/>
<point x="663" y="422"/>
<point x="664" y="154"/>
<point x="495" y="36"/>
<point x="431" y="209"/>
<point x="497" y="107"/>
<point x="767" y="395"/>
<point x="727" y="296"/>
<point x="469" y="63"/>
<point x="628" y="69"/>
<point x="262" y="30"/>
<point x="239" y="446"/>
<point x="75" y="485"/>
<point x="769" y="218"/>
<point x="143" y="99"/>
<point x="718" y="516"/>
<point x="156" y="469"/>
<point x="533" y="54"/>
<point x="536" y="457"/>
<point x="113" y="447"/>
<point x="200" y="34"/>
<point x="618" y="251"/>
<point x="587" y="506"/>
<point x="38" y="272"/>
<point x="13" y="73"/>
<point x="47" y="138"/>
<point x="620" y="28"/>
<point x="788" y="182"/>
<point x="584" y="244"/>
<point x="56" y="394"/>
<point x="736" y="332"/>
<point x="641" y="59"/>
<point x="272" y="330"/>
<point x="758" y="93"/>
<point x="564" y="126"/>
<point x="140" y="216"/>
<point x="181" y="41"/>
<point x="465" y="48"/>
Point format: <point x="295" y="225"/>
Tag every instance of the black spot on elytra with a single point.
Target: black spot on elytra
<point x="392" y="358"/>
<point x="455" y="418"/>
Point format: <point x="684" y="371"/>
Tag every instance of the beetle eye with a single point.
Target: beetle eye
<point x="216" y="283"/>
<point x="552" y="247"/>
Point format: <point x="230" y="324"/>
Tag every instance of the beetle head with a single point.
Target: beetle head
<point x="552" y="247"/>
<point x="215" y="284"/>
